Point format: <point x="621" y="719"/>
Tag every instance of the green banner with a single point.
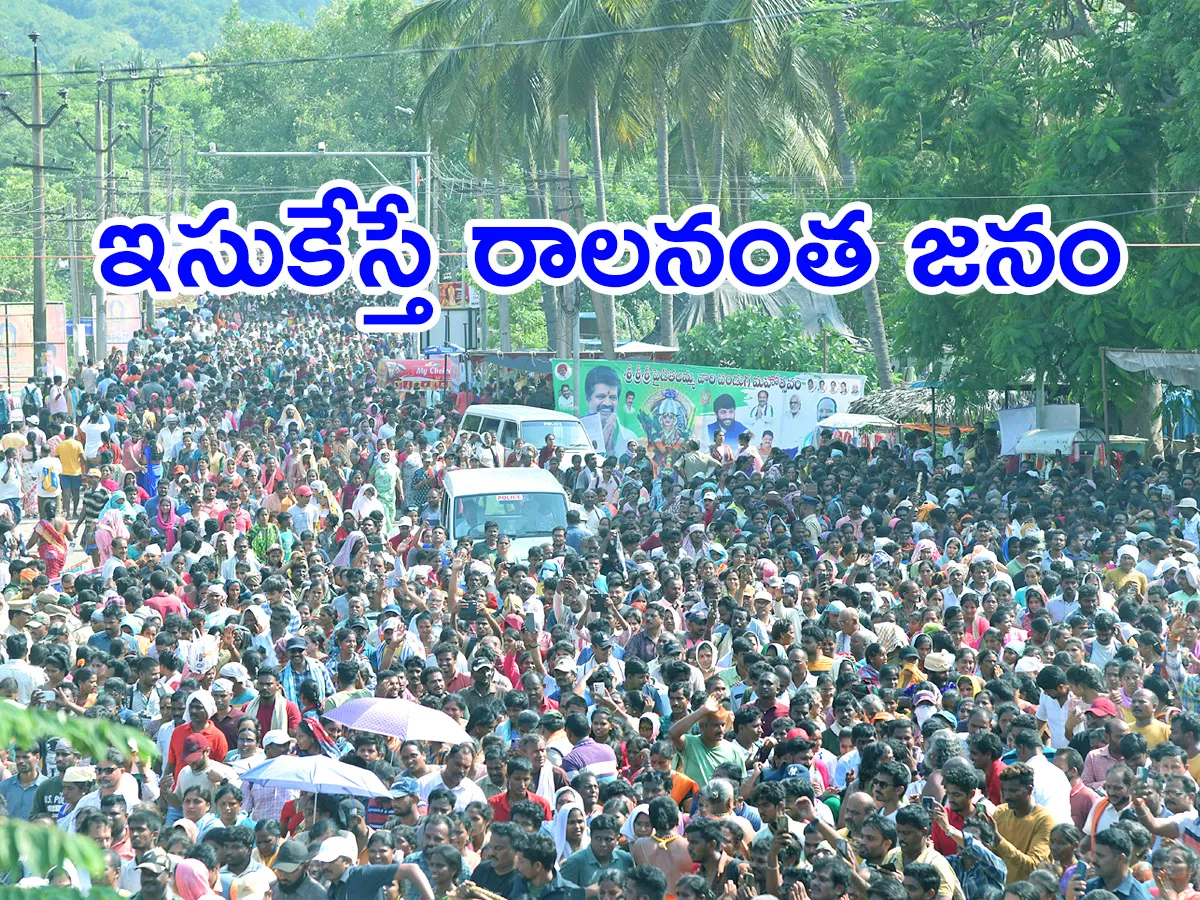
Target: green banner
<point x="661" y="405"/>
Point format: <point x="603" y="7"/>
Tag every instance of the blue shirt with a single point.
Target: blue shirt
<point x="1129" y="889"/>
<point x="19" y="798"/>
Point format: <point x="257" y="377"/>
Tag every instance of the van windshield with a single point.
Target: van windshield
<point x="519" y="515"/>
<point x="566" y="433"/>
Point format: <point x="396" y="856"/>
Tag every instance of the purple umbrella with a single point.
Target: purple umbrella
<point x="399" y="718"/>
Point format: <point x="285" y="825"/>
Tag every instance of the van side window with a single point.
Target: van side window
<point x="492" y="425"/>
<point x="508" y="434"/>
<point x="471" y="423"/>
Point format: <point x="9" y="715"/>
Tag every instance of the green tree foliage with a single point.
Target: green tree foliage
<point x="34" y="849"/>
<point x="749" y="340"/>
<point x="983" y="106"/>
<point x="116" y="29"/>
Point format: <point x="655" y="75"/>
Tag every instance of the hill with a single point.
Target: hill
<point x="113" y="30"/>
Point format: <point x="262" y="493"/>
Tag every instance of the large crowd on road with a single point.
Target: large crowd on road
<point x="880" y="673"/>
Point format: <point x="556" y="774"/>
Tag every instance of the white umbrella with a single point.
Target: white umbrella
<point x="399" y="718"/>
<point x="316" y="774"/>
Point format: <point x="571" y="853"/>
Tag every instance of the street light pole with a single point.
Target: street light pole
<point x="37" y="127"/>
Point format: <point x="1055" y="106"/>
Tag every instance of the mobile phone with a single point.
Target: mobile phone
<point x="1081" y="870"/>
<point x="764" y="753"/>
<point x="929" y="803"/>
<point x="980" y="809"/>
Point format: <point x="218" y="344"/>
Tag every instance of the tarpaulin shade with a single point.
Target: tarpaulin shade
<point x="1174" y="366"/>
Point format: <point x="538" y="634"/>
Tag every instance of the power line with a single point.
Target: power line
<point x="484" y="45"/>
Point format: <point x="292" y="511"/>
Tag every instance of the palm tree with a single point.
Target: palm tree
<point x="502" y="94"/>
<point x="813" y="82"/>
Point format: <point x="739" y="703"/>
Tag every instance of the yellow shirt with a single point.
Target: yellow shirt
<point x="14" y="440"/>
<point x="1022" y="842"/>
<point x="1116" y="579"/>
<point x="1155" y="733"/>
<point x="70" y="453"/>
<point x="1194" y="767"/>
<point x="949" y="888"/>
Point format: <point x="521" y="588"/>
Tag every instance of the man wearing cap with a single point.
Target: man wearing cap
<point x="261" y="801"/>
<point x="347" y="881"/>
<point x="77" y="784"/>
<point x="483" y="690"/>
<point x="301" y="668"/>
<point x="200" y="709"/>
<point x="291" y="869"/>
<point x="155" y="870"/>
<point x="199" y="769"/>
<point x="406" y="800"/>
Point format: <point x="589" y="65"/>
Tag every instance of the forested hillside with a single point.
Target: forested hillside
<point x="115" y="29"/>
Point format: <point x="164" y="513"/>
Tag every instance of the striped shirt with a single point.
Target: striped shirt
<point x="589" y="756"/>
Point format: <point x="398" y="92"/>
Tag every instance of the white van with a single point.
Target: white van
<point x="509" y="422"/>
<point x="527" y="504"/>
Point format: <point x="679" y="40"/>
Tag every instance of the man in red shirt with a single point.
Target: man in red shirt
<point x="161" y="601"/>
<point x="200" y="709"/>
<point x="520" y="774"/>
<point x="272" y="710"/>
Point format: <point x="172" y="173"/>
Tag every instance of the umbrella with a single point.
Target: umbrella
<point x="316" y="774"/>
<point x="399" y="718"/>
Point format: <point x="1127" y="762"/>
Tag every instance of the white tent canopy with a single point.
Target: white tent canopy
<point x="1049" y="441"/>
<point x="856" y="422"/>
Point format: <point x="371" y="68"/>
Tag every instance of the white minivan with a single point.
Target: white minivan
<point x="527" y="504"/>
<point x="509" y="422"/>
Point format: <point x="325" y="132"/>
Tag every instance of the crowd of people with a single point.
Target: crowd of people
<point x="890" y="673"/>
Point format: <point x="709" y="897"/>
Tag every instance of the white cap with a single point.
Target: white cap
<point x="404" y="520"/>
<point x="337" y="847"/>
<point x="278" y="736"/>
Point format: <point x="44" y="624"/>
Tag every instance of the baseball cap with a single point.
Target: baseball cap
<point x="296" y="643"/>
<point x="337" y="847"/>
<point x="603" y="641"/>
<point x="348" y="810"/>
<point x="359" y="622"/>
<point x="277" y="736"/>
<point x="304" y="491"/>
<point x="79" y="775"/>
<point x="194" y="747"/>
<point x="564" y="665"/>
<point x="406" y="787"/>
<point x="1102" y="708"/>
<point x="291" y="856"/>
<point x="404" y="522"/>
<point x="156" y="861"/>
<point x="482" y="662"/>
<point x="924" y="697"/>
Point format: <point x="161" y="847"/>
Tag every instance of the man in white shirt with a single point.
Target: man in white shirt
<point x="453" y="777"/>
<point x="200" y="770"/>
<point x="29" y="678"/>
<point x="10" y="484"/>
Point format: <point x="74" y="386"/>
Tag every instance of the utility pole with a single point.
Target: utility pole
<point x="502" y="301"/>
<point x="101" y="145"/>
<point x="37" y="127"/>
<point x="170" y="178"/>
<point x="147" y="101"/>
<point x="73" y="254"/>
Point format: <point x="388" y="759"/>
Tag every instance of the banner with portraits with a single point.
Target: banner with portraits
<point x="662" y="405"/>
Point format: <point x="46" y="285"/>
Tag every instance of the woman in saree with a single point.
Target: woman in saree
<point x="51" y="536"/>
